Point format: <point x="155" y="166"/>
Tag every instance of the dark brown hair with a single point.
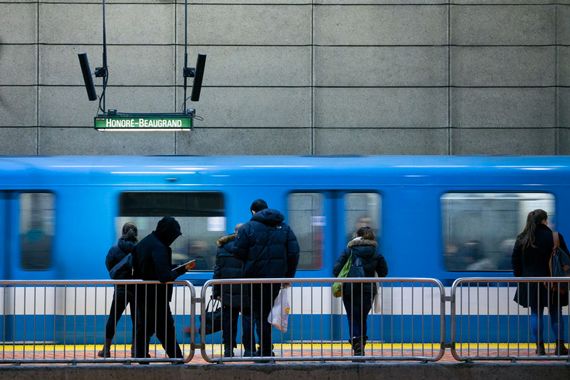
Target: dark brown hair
<point x="528" y="235"/>
<point x="366" y="233"/>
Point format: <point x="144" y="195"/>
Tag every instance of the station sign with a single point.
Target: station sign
<point x="143" y="122"/>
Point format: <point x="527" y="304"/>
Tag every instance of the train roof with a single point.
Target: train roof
<point x="251" y="169"/>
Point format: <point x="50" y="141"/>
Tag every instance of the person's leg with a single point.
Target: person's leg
<point x="269" y="293"/>
<point x="248" y="337"/>
<point x="165" y="330"/>
<point x="146" y="303"/>
<point x="227" y="330"/>
<point x="557" y="325"/>
<point x="536" y="326"/>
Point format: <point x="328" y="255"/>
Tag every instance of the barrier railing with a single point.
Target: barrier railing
<point x="406" y="323"/>
<point x="66" y="321"/>
<point x="488" y="324"/>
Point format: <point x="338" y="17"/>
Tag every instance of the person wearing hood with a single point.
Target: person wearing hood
<point x="269" y="249"/>
<point x="234" y="299"/>
<point x="357" y="297"/>
<point x="124" y="295"/>
<point x="153" y="262"/>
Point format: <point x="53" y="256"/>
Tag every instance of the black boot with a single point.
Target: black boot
<point x="540" y="349"/>
<point x="358" y="344"/>
<point x="560" y="348"/>
<point x="106" y="351"/>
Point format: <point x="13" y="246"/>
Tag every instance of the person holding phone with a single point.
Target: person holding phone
<point x="152" y="261"/>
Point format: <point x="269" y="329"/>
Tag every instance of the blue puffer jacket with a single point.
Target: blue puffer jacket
<point x="267" y="246"/>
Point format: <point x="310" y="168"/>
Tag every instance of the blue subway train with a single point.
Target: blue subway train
<point x="436" y="216"/>
<point x="441" y="217"/>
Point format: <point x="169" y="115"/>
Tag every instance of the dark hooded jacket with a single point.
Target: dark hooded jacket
<point x="153" y="256"/>
<point x="534" y="262"/>
<point x="118" y="252"/>
<point x="372" y="262"/>
<point x="267" y="246"/>
<point x="229" y="266"/>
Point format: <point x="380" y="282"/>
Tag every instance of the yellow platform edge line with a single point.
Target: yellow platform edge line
<point x="277" y="346"/>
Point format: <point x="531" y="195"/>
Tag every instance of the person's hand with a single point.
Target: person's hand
<point x="285" y="285"/>
<point x="191" y="265"/>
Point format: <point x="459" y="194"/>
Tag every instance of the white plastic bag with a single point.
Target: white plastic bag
<point x="280" y="311"/>
<point x="377" y="303"/>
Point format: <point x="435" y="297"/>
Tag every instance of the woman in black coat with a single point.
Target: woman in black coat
<point x="531" y="256"/>
<point x="357" y="297"/>
<point x="235" y="298"/>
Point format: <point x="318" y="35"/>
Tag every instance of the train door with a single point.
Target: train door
<point x="26" y="240"/>
<point x="26" y="233"/>
<point x="324" y="223"/>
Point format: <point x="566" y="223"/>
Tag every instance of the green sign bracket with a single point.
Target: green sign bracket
<point x="115" y="121"/>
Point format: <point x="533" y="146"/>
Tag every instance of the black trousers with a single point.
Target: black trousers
<point x="263" y="297"/>
<point x="124" y="295"/>
<point x="154" y="317"/>
<point x="230" y="316"/>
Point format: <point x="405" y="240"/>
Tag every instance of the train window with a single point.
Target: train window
<point x="201" y="217"/>
<point x="361" y="209"/>
<point x="305" y="216"/>
<point x="36" y="230"/>
<point x="479" y="229"/>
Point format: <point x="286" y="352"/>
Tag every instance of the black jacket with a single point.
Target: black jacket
<point x="229" y="266"/>
<point x="372" y="263"/>
<point x="534" y="262"/>
<point x="267" y="246"/>
<point x="117" y="252"/>
<point x="152" y="259"/>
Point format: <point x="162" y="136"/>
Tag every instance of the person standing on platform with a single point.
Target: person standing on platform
<point x="234" y="297"/>
<point x="124" y="294"/>
<point x="357" y="297"/>
<point x="269" y="249"/>
<point x="153" y="262"/>
<point x="531" y="257"/>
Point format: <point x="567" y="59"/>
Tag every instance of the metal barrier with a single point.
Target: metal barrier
<point x="407" y="322"/>
<point x="487" y="324"/>
<point x="65" y="321"/>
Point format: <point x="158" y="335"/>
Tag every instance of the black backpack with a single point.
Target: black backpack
<point x="356" y="268"/>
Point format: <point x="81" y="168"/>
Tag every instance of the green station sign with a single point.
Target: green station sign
<point x="143" y="122"/>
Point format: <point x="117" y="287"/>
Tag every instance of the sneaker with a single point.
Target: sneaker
<point x="260" y="354"/>
<point x="248" y="354"/>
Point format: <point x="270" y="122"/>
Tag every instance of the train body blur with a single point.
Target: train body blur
<point x="437" y="217"/>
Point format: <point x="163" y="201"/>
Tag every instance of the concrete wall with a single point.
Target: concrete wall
<point x="310" y="371"/>
<point x="293" y="77"/>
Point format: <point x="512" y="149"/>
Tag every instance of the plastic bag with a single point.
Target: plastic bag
<point x="278" y="317"/>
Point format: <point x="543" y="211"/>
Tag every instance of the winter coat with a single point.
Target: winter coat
<point x="118" y="252"/>
<point x="372" y="263"/>
<point x="534" y="262"/>
<point x="152" y="259"/>
<point x="267" y="246"/>
<point x="229" y="266"/>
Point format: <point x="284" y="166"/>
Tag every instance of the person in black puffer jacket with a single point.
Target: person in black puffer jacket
<point x="269" y="249"/>
<point x="234" y="297"/>
<point x="357" y="297"/>
<point x="123" y="294"/>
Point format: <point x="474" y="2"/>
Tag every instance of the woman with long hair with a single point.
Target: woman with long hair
<point x="531" y="256"/>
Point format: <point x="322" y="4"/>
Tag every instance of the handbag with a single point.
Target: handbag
<point x="279" y="314"/>
<point x="213" y="317"/>
<point x="337" y="286"/>
<point x="559" y="265"/>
